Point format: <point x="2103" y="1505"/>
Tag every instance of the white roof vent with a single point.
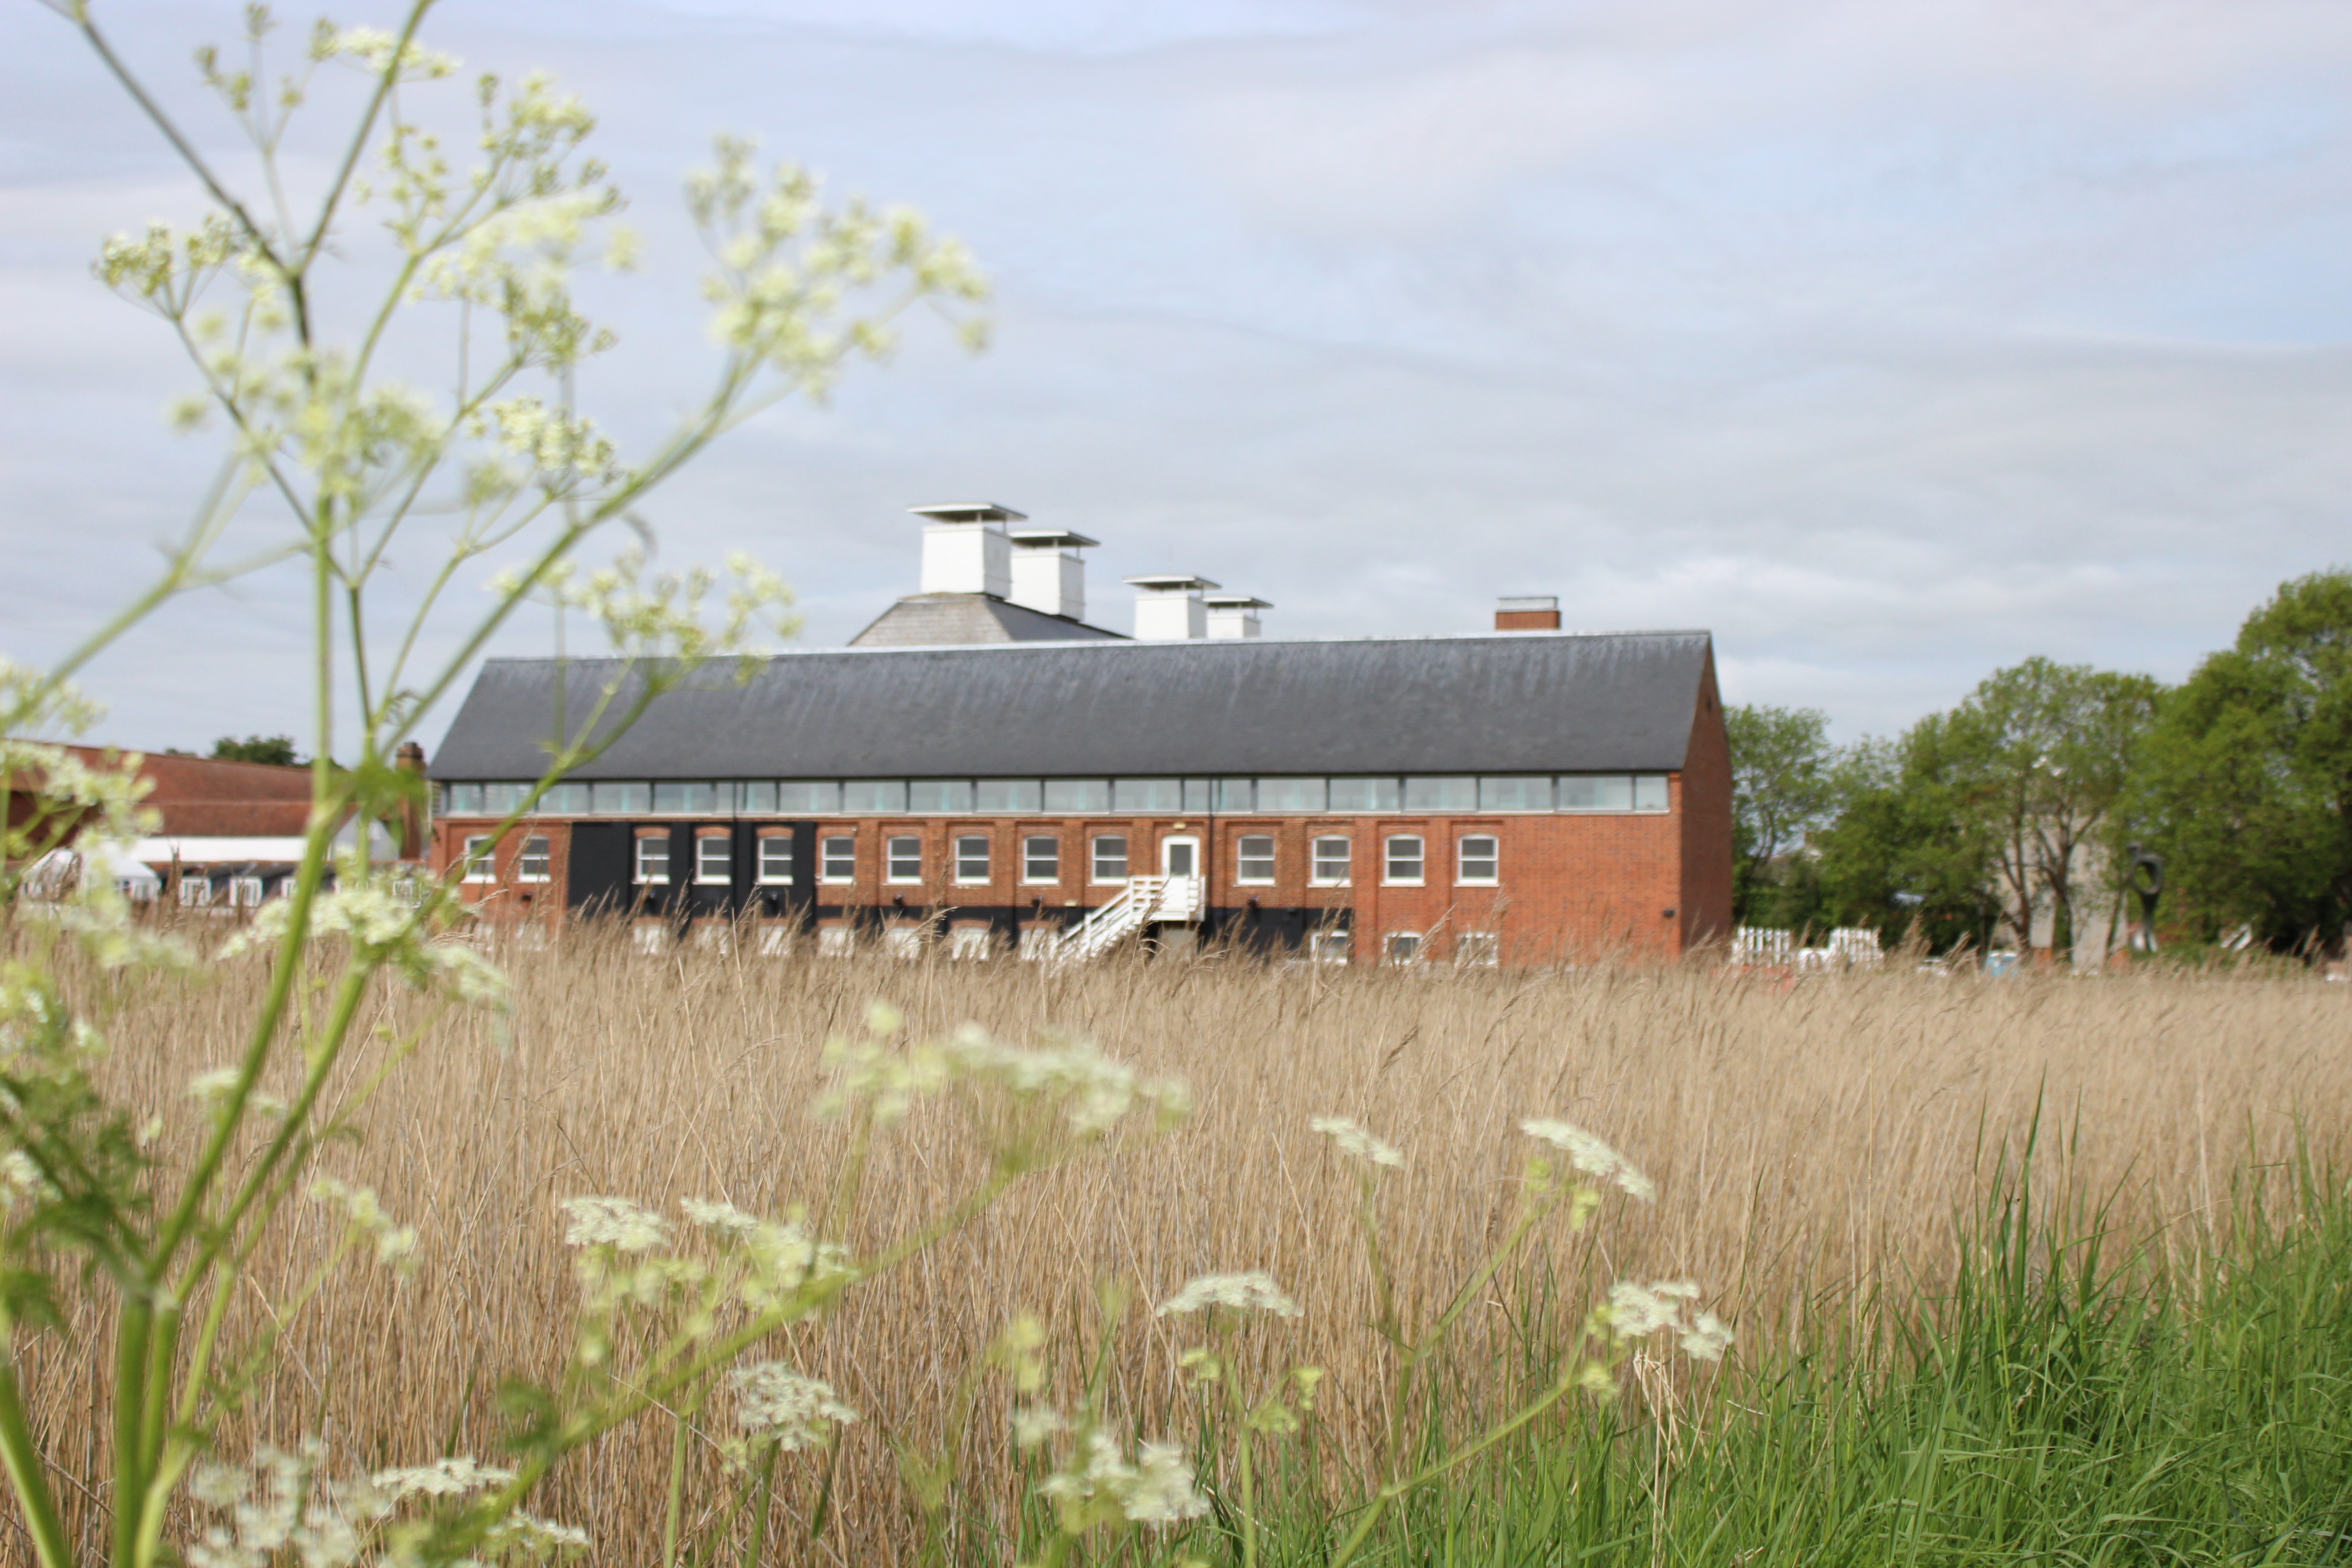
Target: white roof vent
<point x="1049" y="575"/>
<point x="1168" y="606"/>
<point x="1232" y="614"/>
<point x="965" y="549"/>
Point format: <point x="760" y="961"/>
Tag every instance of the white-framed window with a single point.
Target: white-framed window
<point x="971" y="858"/>
<point x="1253" y="859"/>
<point x="1476" y="948"/>
<point x="1401" y="859"/>
<point x="1477" y="860"/>
<point x="1329" y="867"/>
<point x="196" y="891"/>
<point x="243" y="892"/>
<point x="478" y="859"/>
<point x="1041" y="858"/>
<point x="532" y="863"/>
<point x="903" y="858"/>
<point x="968" y="941"/>
<point x="714" y="858"/>
<point x="1328" y="946"/>
<point x="904" y="939"/>
<point x="653" y="859"/>
<point x="1403" y="947"/>
<point x="776" y="858"/>
<point x="776" y="937"/>
<point x="837" y="859"/>
<point x="1109" y="857"/>
<point x="651" y="936"/>
<point x="1037" y="940"/>
<point x="836" y="942"/>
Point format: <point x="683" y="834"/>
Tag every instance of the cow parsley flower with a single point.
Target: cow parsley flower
<point x="1591" y="1156"/>
<point x="788" y="1409"/>
<point x="1252" y="1291"/>
<point x="616" y="1223"/>
<point x="1357" y="1144"/>
<point x="1037" y="1424"/>
<point x="456" y="1476"/>
<point x="396" y="1245"/>
<point x="1708" y="1338"/>
<point x="1636" y="1310"/>
<point x="1157" y="1491"/>
<point x="722" y="1218"/>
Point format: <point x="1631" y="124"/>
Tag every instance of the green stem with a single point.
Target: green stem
<point x="27" y="1474"/>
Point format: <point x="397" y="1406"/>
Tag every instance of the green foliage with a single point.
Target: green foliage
<point x="1903" y="856"/>
<point x="2063" y="1397"/>
<point x="1782" y="787"/>
<point x="277" y="749"/>
<point x="2248" y="788"/>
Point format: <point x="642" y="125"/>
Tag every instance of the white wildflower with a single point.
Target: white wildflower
<point x="1252" y="1291"/>
<point x="616" y="1223"/>
<point x="21" y="1178"/>
<point x="1354" y="1142"/>
<point x="1037" y="1424"/>
<point x="456" y="1476"/>
<point x="790" y="1410"/>
<point x="722" y="1216"/>
<point x="1708" y="1339"/>
<point x="1636" y="1310"/>
<point x="1160" y="1490"/>
<point x="1591" y="1156"/>
<point x="1163" y="1492"/>
<point x="396" y="1245"/>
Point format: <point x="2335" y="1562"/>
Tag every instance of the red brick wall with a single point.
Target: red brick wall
<point x="1572" y="888"/>
<point x="1704" y="802"/>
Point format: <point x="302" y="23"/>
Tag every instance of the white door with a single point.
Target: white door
<point x="1179" y="856"/>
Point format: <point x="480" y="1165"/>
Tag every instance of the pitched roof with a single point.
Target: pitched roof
<point x="936" y="620"/>
<point x="1519" y="702"/>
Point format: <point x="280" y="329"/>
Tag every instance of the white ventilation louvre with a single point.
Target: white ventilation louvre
<point x="1049" y="575"/>
<point x="966" y="548"/>
<point x="1232" y="614"/>
<point x="1168" y="607"/>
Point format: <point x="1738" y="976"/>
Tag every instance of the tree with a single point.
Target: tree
<point x="277" y="749"/>
<point x="2038" y="756"/>
<point x="1900" y="854"/>
<point x="2248" y="787"/>
<point x="1782" y="788"/>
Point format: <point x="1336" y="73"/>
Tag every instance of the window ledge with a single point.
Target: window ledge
<point x="1478" y="881"/>
<point x="1330" y="882"/>
<point x="1403" y="882"/>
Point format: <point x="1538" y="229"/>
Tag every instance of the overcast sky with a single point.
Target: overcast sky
<point x="1892" y="341"/>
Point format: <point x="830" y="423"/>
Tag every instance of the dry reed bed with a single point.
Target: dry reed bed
<point x="1810" y="1139"/>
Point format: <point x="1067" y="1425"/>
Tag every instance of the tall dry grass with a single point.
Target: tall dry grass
<point x="1813" y="1141"/>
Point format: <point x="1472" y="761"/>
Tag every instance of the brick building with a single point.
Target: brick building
<point x="1519" y="796"/>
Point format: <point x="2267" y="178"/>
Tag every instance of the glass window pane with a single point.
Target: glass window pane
<point x="1232" y="794"/>
<point x="1404" y="946"/>
<point x="1365" y="794"/>
<point x="620" y="799"/>
<point x="1514" y="791"/>
<point x="1078" y="794"/>
<point x="1010" y="796"/>
<point x="714" y="858"/>
<point x="971" y="858"/>
<point x="1441" y="795"/>
<point x="905" y="859"/>
<point x="874" y="796"/>
<point x="939" y="794"/>
<point x="497" y="799"/>
<point x="1596" y="792"/>
<point x="1330" y="859"/>
<point x="1253" y="858"/>
<point x="1479" y="858"/>
<point x="1147" y="794"/>
<point x="840" y="863"/>
<point x="653" y="858"/>
<point x="695" y="799"/>
<point x="531" y="864"/>
<point x="1404" y="858"/>
<point x="564" y="799"/>
<point x="1290" y="795"/>
<point x="1196" y="795"/>
<point x="1649" y="792"/>
<point x="1041" y="858"/>
<point x="776" y="858"/>
<point x="1110" y="858"/>
<point x="816" y="797"/>
<point x="461" y="800"/>
<point x="756" y="799"/>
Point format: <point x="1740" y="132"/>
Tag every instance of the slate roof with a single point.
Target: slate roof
<point x="935" y="620"/>
<point x="1514" y="702"/>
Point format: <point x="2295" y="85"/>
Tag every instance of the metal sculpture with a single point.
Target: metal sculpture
<point x="2145" y="877"/>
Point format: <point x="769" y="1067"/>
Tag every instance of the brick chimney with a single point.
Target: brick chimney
<point x="1527" y="612"/>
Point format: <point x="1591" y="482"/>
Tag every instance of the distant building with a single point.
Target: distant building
<point x="229" y="834"/>
<point x="1522" y="796"/>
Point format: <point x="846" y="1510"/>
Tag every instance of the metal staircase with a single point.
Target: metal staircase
<point x="1144" y="902"/>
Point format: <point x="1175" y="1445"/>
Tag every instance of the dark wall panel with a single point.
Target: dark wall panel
<point x="596" y="879"/>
